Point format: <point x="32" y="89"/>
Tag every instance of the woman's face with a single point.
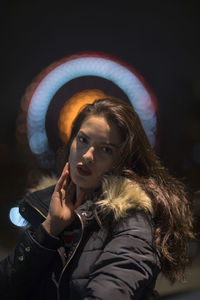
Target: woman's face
<point x="94" y="151"/>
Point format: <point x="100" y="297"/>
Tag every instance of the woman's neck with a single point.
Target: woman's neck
<point x="86" y="192"/>
<point x="77" y="192"/>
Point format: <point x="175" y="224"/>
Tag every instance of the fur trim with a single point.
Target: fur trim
<point x="44" y="182"/>
<point x="120" y="195"/>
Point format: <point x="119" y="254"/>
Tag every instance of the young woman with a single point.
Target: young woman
<point x="112" y="222"/>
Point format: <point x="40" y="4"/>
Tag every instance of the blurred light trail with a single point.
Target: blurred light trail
<point x="16" y="218"/>
<point x="77" y="66"/>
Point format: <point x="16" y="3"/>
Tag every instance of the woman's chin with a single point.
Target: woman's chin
<point x="87" y="188"/>
<point x="82" y="185"/>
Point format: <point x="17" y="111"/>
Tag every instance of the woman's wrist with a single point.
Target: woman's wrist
<point x="44" y="238"/>
<point x="54" y="227"/>
<point x="51" y="229"/>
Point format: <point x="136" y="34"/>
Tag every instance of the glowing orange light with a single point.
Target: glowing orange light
<point x="72" y="107"/>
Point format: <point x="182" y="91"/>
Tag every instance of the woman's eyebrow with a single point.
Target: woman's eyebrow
<point x="103" y="143"/>
<point x="111" y="144"/>
<point x="83" y="133"/>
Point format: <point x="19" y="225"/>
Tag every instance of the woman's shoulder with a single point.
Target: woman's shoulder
<point x="125" y="207"/>
<point x="34" y="206"/>
<point x="138" y="224"/>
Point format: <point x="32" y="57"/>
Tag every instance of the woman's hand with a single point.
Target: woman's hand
<point x="61" y="209"/>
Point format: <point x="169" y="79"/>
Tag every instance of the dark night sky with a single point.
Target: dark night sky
<point x="160" y="39"/>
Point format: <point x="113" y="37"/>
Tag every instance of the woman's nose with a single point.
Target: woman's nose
<point x="89" y="155"/>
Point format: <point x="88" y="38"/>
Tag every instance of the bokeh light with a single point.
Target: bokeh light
<point x="16" y="218"/>
<point x="71" y="109"/>
<point x="39" y="95"/>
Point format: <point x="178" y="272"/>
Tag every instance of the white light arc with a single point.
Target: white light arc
<point x="79" y="67"/>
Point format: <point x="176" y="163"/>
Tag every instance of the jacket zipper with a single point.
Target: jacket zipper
<point x="43" y="215"/>
<point x="72" y="255"/>
<point x="77" y="245"/>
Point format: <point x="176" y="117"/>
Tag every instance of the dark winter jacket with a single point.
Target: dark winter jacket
<point x="113" y="257"/>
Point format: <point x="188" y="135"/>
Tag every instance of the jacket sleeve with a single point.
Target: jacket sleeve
<point x="24" y="266"/>
<point x="126" y="269"/>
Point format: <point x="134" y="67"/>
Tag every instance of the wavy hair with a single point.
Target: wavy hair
<point x="172" y="210"/>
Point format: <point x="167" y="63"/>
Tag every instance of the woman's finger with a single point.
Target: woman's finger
<point x="61" y="180"/>
<point x="65" y="173"/>
<point x="66" y="168"/>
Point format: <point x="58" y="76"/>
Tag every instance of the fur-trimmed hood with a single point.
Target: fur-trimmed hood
<point x="120" y="195"/>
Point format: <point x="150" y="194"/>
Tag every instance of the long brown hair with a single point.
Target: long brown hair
<point x="172" y="213"/>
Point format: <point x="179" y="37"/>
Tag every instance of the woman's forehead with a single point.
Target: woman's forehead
<point x="100" y="127"/>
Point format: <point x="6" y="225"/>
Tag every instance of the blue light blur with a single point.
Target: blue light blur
<point x="16" y="218"/>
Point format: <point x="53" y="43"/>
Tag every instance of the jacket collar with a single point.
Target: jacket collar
<point x="120" y="196"/>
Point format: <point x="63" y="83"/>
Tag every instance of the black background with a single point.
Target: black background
<point x="160" y="39"/>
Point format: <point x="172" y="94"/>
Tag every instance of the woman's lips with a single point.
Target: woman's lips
<point x="83" y="170"/>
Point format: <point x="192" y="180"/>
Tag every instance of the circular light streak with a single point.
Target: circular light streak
<point x="81" y="66"/>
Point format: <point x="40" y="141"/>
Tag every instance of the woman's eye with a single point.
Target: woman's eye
<point x="107" y="150"/>
<point x="81" y="139"/>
